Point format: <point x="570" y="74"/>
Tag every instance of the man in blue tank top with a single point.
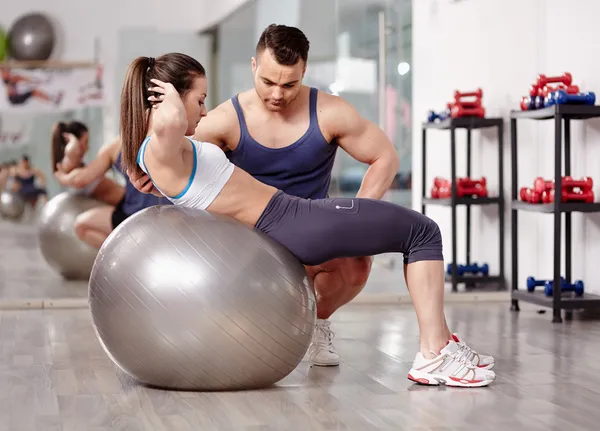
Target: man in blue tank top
<point x="286" y="135"/>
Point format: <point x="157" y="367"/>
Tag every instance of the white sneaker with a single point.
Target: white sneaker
<point x="321" y="351"/>
<point x="450" y="367"/>
<point x="486" y="362"/>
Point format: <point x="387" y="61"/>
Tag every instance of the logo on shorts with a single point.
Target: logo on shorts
<point x="337" y="207"/>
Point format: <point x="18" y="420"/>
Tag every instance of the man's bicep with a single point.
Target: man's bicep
<point x="359" y="137"/>
<point x="214" y="128"/>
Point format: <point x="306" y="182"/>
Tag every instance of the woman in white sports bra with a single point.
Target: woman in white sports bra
<point x="162" y="102"/>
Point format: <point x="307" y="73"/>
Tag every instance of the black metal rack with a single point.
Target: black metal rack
<point x="559" y="300"/>
<point x="470" y="124"/>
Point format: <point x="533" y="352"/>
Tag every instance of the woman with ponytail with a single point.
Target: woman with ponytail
<point x="70" y="143"/>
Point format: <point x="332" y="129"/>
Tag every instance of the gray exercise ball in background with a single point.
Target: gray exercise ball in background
<point x="12" y="205"/>
<point x="67" y="254"/>
<point x="182" y="299"/>
<point x="31" y="37"/>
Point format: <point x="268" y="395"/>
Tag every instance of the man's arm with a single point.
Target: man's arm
<point x="365" y="142"/>
<point x="217" y="127"/>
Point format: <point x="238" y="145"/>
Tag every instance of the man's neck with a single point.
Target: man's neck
<point x="285" y="113"/>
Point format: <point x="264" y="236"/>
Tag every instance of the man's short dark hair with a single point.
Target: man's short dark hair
<point x="288" y="44"/>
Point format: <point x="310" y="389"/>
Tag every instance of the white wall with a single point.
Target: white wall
<point x="501" y="46"/>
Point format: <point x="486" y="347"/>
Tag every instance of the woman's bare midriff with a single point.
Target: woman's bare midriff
<point x="243" y="198"/>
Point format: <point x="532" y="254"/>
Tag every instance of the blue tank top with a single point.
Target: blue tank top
<point x="25" y="181"/>
<point x="135" y="201"/>
<point x="301" y="169"/>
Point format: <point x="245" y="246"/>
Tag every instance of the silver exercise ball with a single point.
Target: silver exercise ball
<point x="12" y="205"/>
<point x="31" y="37"/>
<point x="67" y="254"/>
<point x="182" y="299"/>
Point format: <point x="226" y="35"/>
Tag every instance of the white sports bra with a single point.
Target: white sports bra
<point x="209" y="175"/>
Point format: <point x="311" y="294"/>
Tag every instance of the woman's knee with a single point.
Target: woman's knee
<point x="96" y="219"/>
<point x="434" y="233"/>
<point x="428" y="244"/>
<point x="81" y="226"/>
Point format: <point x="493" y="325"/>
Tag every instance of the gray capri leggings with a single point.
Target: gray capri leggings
<point x="316" y="231"/>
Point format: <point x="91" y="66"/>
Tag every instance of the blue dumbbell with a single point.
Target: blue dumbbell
<point x="576" y="287"/>
<point x="532" y="283"/>
<point x="561" y="97"/>
<point x="538" y="102"/>
<point x="432" y="116"/>
<point x="473" y="268"/>
<point x="549" y="100"/>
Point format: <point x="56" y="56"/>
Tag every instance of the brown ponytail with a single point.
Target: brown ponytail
<point x="134" y="112"/>
<point x="58" y="144"/>
<point x="178" y="69"/>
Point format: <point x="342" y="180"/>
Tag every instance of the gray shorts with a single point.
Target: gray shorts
<point x="319" y="230"/>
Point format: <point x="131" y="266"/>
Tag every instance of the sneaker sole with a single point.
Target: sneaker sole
<point x="325" y="364"/>
<point x="430" y="380"/>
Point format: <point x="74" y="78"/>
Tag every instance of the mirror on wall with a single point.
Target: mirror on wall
<point x="42" y="257"/>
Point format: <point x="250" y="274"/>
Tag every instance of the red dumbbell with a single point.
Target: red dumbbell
<point x="566" y="79"/>
<point x="523" y="194"/>
<point x="468" y="104"/>
<point x="540" y="185"/>
<point x="526" y="103"/>
<point x="445" y="192"/>
<point x="585" y="183"/>
<point x="569" y="196"/>
<point x="571" y="89"/>
<point x="471" y="191"/>
<point x="534" y="90"/>
<point x="459" y="111"/>
<point x="459" y="95"/>
<point x="530" y="195"/>
<point x="441" y="182"/>
<point x="546" y="196"/>
<point x="469" y="182"/>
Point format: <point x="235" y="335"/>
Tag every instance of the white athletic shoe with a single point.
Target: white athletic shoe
<point x="450" y="367"/>
<point x="321" y="351"/>
<point x="486" y="362"/>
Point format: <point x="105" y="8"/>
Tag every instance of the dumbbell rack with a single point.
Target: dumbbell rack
<point x="470" y="124"/>
<point x="560" y="114"/>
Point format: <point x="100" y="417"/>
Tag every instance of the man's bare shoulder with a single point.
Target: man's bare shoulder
<point x="330" y="103"/>
<point x="334" y="113"/>
<point x="220" y="126"/>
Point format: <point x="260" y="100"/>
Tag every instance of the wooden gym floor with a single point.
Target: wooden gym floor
<point x="55" y="376"/>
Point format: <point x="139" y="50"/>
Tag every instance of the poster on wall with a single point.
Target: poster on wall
<point x="50" y="90"/>
<point x="15" y="131"/>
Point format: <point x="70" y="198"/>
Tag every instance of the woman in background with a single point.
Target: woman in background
<point x="94" y="225"/>
<point x="25" y="177"/>
<point x="70" y="142"/>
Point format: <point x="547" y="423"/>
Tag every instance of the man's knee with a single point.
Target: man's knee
<point x="357" y="271"/>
